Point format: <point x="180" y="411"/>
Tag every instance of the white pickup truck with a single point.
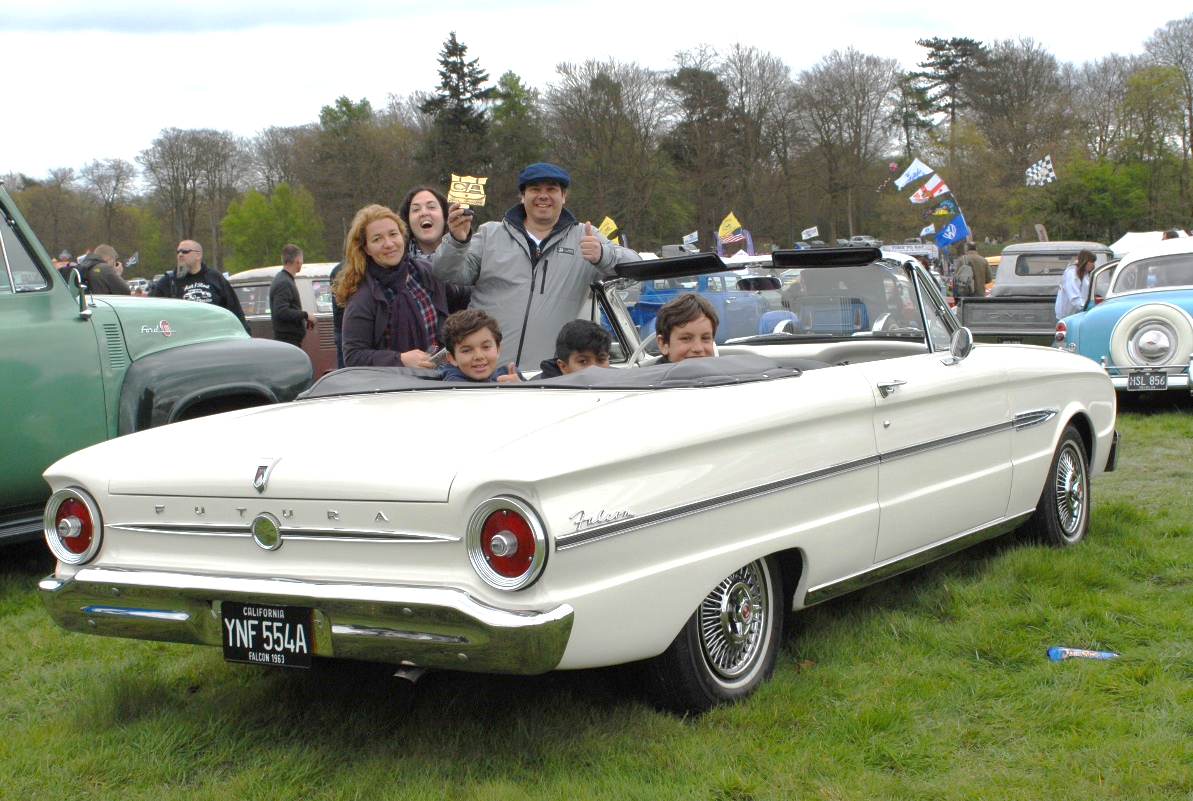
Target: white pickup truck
<point x="1020" y="306"/>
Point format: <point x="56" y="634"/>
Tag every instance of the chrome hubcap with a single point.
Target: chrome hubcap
<point x="1070" y="491"/>
<point x="733" y="621"/>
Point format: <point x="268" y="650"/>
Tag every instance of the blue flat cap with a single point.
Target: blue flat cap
<point x="543" y="171"/>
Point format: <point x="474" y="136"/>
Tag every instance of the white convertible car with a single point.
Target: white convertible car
<point x="673" y="513"/>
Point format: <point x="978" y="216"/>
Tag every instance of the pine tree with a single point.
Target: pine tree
<point x="459" y="139"/>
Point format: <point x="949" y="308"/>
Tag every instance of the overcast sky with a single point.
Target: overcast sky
<point x="92" y="79"/>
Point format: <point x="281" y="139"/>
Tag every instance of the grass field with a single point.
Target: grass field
<point x="932" y="686"/>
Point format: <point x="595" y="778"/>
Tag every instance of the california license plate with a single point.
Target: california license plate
<point x="1147" y="380"/>
<point x="267" y="635"/>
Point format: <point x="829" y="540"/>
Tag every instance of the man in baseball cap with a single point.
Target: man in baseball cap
<point x="530" y="270"/>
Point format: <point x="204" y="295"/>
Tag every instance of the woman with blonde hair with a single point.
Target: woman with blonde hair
<point x="393" y="306"/>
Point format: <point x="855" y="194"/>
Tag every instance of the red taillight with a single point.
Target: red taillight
<point x="508" y="543"/>
<point x="72" y="526"/>
<point x="1061" y="331"/>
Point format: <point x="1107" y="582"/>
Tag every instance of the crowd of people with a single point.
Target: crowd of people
<point x="420" y="288"/>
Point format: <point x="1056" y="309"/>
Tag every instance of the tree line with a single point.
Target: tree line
<point x="666" y="152"/>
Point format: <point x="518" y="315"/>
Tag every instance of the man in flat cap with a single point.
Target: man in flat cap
<point x="532" y="269"/>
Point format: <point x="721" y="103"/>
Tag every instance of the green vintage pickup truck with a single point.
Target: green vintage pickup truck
<point x="76" y="369"/>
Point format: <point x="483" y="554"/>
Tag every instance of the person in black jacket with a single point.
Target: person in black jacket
<point x="194" y="280"/>
<point x="98" y="272"/>
<point x="290" y="322"/>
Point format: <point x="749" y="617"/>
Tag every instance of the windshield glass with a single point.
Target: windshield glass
<point x="1160" y="272"/>
<point x="766" y="305"/>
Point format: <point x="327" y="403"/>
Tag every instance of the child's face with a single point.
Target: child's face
<point x="689" y="341"/>
<point x="476" y="354"/>
<point x="579" y="359"/>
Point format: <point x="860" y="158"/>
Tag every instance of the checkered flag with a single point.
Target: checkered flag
<point x="1041" y="172"/>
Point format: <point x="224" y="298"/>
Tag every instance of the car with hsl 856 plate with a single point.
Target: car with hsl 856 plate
<point x="79" y="368"/>
<point x="787" y="469"/>
<point x="1138" y="319"/>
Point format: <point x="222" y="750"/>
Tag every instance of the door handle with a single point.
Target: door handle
<point x="885" y="388"/>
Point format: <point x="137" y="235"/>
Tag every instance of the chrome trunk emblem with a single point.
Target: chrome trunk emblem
<point x="261" y="479"/>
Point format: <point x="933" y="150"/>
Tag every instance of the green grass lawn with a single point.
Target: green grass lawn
<point x="932" y="686"/>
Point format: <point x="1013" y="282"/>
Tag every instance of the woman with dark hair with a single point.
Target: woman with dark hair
<point x="393" y="306"/>
<point x="1074" y="285"/>
<point x="423" y="210"/>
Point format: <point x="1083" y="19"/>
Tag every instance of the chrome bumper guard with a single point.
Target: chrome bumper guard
<point x="432" y="627"/>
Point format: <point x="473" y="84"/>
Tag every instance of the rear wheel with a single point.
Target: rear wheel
<point x="729" y="645"/>
<point x="1062" y="515"/>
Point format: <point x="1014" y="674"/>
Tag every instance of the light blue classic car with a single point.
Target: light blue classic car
<point x="1139" y="323"/>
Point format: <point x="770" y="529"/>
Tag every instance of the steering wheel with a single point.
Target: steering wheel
<point x="640" y="351"/>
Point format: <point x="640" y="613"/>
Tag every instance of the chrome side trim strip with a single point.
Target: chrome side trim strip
<point x="565" y="541"/>
<point x="964" y="436"/>
<point x="288" y="532"/>
<point x="1034" y="418"/>
<point x="590" y="535"/>
<point x="917" y="558"/>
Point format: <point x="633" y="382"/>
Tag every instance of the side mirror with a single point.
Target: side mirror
<point x="75" y="282"/>
<point x="960" y="346"/>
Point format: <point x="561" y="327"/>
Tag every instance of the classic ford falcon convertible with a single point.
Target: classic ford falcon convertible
<point x="517" y="527"/>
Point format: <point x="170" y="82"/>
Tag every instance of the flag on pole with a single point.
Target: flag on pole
<point x="1041" y="172"/>
<point x="691" y="238"/>
<point x="929" y="230"/>
<point x="953" y="231"/>
<point x="608" y="229"/>
<point x="917" y="169"/>
<point x="730" y="230"/>
<point x="810" y="233"/>
<point x="934" y="186"/>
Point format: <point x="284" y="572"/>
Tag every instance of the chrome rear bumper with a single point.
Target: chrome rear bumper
<point x="433" y="627"/>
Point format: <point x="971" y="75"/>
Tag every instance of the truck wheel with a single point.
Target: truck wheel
<point x="728" y="646"/>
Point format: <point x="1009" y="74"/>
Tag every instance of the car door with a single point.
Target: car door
<point x="52" y="392"/>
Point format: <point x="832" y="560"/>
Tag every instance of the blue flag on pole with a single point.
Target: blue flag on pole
<point x="952" y="231"/>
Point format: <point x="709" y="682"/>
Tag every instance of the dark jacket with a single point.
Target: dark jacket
<point x="452" y="373"/>
<point x="101" y="278"/>
<point x="285" y="309"/>
<point x="205" y="286"/>
<point x="368" y="338"/>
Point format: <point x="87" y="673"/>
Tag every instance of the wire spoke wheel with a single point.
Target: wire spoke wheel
<point x="1071" y="486"/>
<point x="733" y="621"/>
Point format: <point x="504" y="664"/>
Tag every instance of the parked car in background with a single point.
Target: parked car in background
<point x="1020" y="307"/>
<point x="314" y="291"/>
<point x="1139" y="324"/>
<point x="77" y="368"/>
<point x="138" y="285"/>
<point x="863" y="241"/>
<point x="786" y="471"/>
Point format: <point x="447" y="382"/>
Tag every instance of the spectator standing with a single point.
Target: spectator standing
<point x="393" y="306"/>
<point x="532" y="269"/>
<point x="290" y="322"/>
<point x="193" y="280"/>
<point x="98" y="272"/>
<point x="423" y="211"/>
<point x="337" y="317"/>
<point x="978" y="273"/>
<point x="1074" y="285"/>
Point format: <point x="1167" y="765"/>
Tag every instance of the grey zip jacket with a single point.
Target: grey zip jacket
<point x="531" y="295"/>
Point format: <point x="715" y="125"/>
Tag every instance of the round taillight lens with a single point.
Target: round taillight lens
<point x="72" y="526"/>
<point x="1061" y="331"/>
<point x="507" y="543"/>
